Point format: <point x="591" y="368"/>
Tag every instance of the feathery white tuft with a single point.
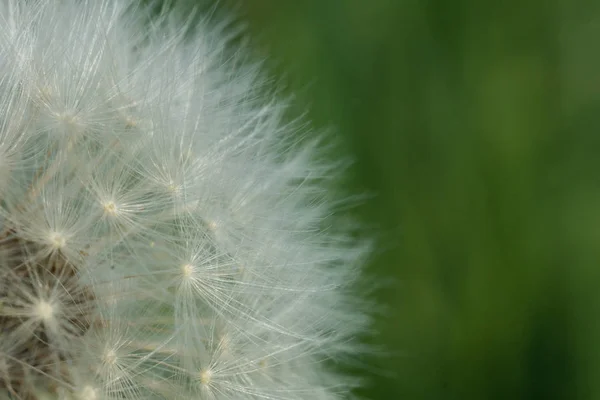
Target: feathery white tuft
<point x="160" y="236"/>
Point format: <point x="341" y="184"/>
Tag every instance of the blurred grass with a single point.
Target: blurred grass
<point x="476" y="124"/>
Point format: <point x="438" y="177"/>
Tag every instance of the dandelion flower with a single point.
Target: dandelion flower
<point x="162" y="236"/>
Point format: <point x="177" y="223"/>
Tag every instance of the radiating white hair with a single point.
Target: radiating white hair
<point x="162" y="234"/>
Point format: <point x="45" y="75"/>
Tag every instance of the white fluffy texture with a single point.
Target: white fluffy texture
<point x="149" y="162"/>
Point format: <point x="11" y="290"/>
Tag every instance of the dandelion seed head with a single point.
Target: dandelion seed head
<point x="163" y="235"/>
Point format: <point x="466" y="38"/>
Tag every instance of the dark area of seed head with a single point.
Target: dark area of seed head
<point x="18" y="261"/>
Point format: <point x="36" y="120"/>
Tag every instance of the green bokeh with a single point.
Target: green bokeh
<point x="475" y="123"/>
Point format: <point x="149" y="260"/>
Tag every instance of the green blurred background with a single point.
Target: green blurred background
<point x="475" y="124"/>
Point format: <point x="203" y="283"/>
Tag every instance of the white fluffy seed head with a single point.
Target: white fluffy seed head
<point x="160" y="236"/>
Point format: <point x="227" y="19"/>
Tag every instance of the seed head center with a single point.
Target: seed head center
<point x="187" y="270"/>
<point x="45" y="311"/>
<point x="58" y="240"/>
<point x="205" y="376"/>
<point x="110" y="357"/>
<point x="110" y="208"/>
<point x="88" y="393"/>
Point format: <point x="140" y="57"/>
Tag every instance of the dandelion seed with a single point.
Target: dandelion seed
<point x="187" y="271"/>
<point x="110" y="357"/>
<point x="110" y="208"/>
<point x="205" y="376"/>
<point x="57" y="240"/>
<point x="45" y="311"/>
<point x="88" y="393"/>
